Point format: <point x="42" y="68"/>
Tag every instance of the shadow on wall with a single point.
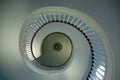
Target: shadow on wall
<point x="2" y="76"/>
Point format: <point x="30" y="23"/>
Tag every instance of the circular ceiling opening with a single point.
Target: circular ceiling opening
<point x="56" y="49"/>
